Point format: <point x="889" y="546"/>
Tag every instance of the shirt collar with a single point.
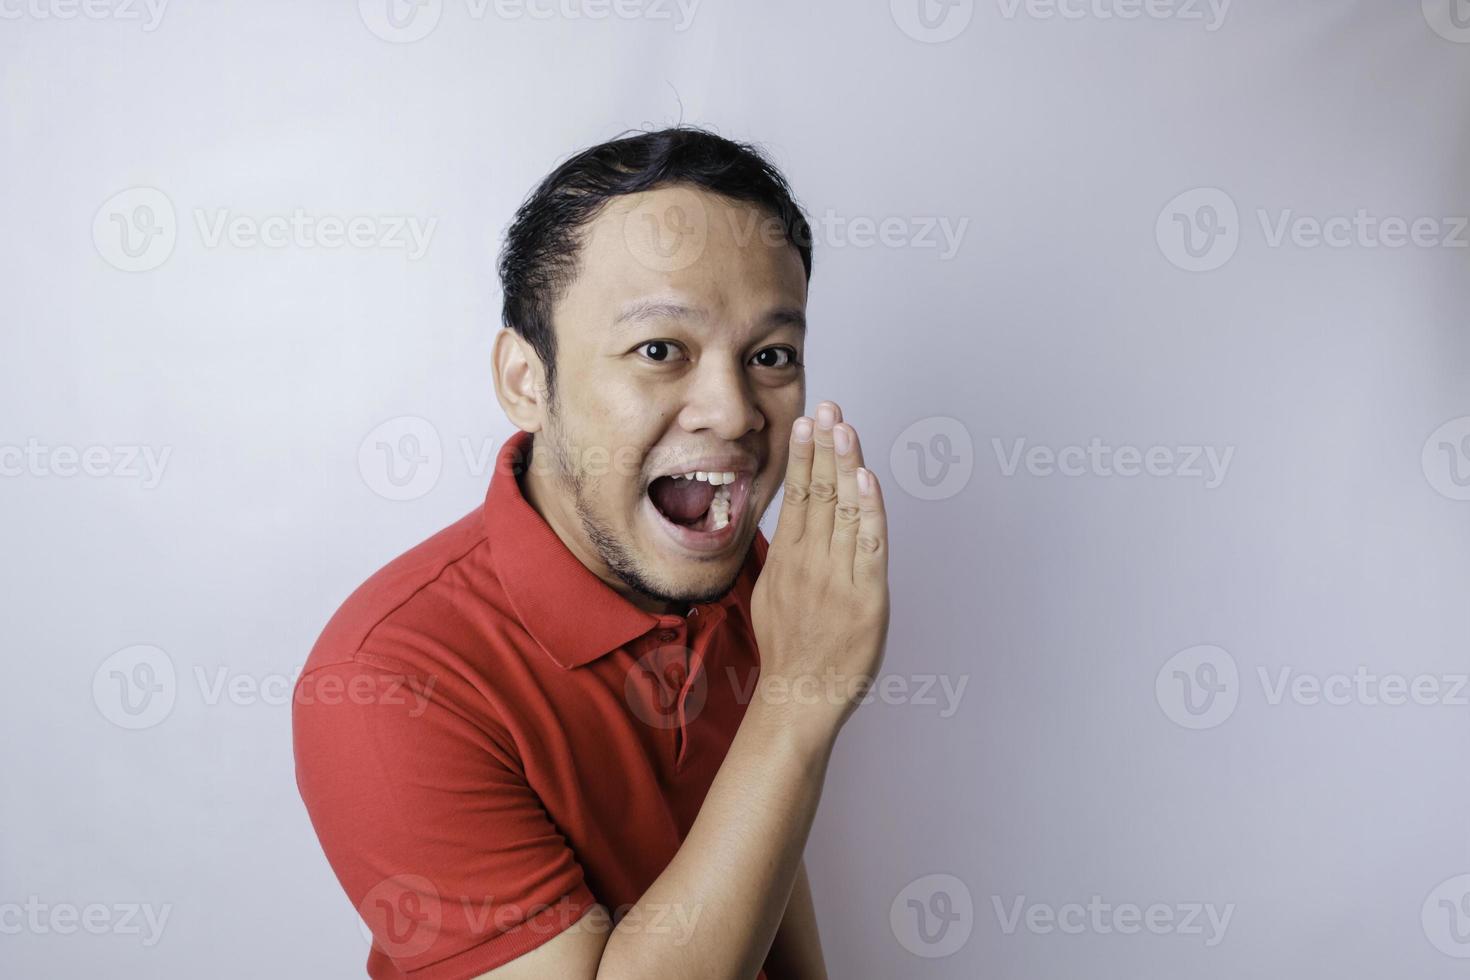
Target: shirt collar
<point x="572" y="614"/>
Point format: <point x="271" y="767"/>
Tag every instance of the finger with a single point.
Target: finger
<point x="849" y="455"/>
<point x="822" y="490"/>
<point x="798" y="478"/>
<point x="870" y="563"/>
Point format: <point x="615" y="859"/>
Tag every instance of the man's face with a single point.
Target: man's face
<point x="678" y="350"/>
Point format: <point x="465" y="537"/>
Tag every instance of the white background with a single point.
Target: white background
<point x="1060" y="140"/>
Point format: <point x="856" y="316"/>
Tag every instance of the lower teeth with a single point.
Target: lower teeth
<point x="719" y="508"/>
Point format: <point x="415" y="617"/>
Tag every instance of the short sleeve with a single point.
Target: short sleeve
<point x="428" y="822"/>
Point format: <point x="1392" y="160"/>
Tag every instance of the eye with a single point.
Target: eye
<point x="659" y="351"/>
<point x="770" y="357"/>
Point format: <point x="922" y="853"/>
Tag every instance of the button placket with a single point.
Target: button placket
<point x="681" y="736"/>
<point x="669" y="654"/>
<point x="702" y="627"/>
<point x="700" y="636"/>
<point x="681" y="676"/>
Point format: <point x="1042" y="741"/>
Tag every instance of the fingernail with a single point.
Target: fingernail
<point x="865" y="480"/>
<point x="803" y="429"/>
<point x="825" y="415"/>
<point x="843" y="438"/>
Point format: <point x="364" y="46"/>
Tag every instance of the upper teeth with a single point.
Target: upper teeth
<point x="712" y="478"/>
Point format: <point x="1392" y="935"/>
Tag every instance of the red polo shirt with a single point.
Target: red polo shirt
<point x="489" y="739"/>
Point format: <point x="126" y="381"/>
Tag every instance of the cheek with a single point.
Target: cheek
<point x="781" y="410"/>
<point x="786" y="401"/>
<point x="634" y="416"/>
<point x="631" y="436"/>
<point x="611" y="445"/>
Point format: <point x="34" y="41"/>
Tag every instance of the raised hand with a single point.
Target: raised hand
<point x="820" y="607"/>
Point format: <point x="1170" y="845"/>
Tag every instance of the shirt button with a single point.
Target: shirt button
<point x="668" y="636"/>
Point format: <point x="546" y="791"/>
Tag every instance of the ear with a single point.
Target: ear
<point x="520" y="381"/>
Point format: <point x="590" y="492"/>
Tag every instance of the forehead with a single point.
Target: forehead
<point x="684" y="245"/>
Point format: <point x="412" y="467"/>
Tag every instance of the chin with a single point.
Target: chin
<point x="706" y="583"/>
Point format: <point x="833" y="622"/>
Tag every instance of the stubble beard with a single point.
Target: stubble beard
<point x="614" y="553"/>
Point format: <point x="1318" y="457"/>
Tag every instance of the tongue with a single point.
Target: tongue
<point x="681" y="501"/>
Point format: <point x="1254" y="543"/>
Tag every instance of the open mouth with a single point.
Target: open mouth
<point x="700" y="511"/>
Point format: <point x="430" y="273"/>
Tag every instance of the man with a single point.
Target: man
<point x="583" y="731"/>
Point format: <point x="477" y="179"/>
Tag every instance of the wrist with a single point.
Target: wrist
<point x="805" y="726"/>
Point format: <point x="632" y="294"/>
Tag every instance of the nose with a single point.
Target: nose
<point x="720" y="399"/>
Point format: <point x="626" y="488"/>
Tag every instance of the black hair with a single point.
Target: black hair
<point x="539" y="258"/>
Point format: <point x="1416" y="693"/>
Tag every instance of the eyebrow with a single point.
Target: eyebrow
<point x="645" y="310"/>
